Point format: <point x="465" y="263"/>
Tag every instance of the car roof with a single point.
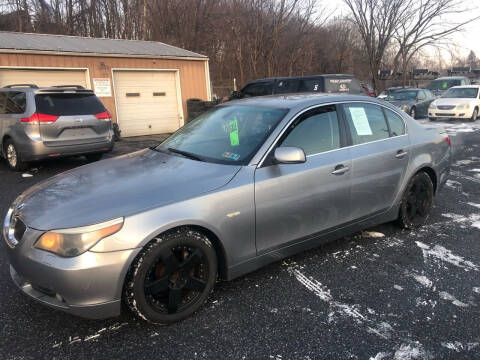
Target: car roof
<point x="300" y="100"/>
<point x="451" y="78"/>
<point x="344" y="76"/>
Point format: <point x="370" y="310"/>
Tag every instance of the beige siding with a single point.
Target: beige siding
<point x="43" y="77"/>
<point x="193" y="78"/>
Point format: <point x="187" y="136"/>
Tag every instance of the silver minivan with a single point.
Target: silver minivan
<point x="40" y="123"/>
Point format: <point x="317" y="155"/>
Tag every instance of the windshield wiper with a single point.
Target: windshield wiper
<point x="186" y="154"/>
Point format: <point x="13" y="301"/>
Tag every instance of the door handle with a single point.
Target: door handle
<point x="340" y="170"/>
<point x="401" y="154"/>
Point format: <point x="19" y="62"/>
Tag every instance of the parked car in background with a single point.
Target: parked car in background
<point x="368" y="89"/>
<point x="243" y="185"/>
<point x="441" y="85"/>
<point x="40" y="123"/>
<point x="459" y="102"/>
<point x="384" y="94"/>
<point x="328" y="83"/>
<point x="413" y="101"/>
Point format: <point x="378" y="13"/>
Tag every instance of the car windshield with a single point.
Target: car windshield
<point x="225" y="135"/>
<point x="461" y="93"/>
<point x="402" y="95"/>
<point x="445" y="84"/>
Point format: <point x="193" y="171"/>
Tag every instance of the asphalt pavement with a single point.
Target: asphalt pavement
<point x="384" y="293"/>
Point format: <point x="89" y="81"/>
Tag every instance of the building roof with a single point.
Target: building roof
<point x="75" y="44"/>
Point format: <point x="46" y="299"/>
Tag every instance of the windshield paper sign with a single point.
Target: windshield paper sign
<point x="360" y="121"/>
<point x="233" y="129"/>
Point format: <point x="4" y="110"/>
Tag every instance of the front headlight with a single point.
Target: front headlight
<point x="75" y="241"/>
<point x="7" y="231"/>
<point x="433" y="106"/>
<point x="405" y="107"/>
<point x="463" y="106"/>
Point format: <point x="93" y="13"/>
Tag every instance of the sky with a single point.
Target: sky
<point x="467" y="40"/>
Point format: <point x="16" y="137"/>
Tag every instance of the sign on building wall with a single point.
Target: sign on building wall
<point x="102" y="87"/>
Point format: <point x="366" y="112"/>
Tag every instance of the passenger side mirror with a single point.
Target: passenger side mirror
<point x="290" y="155"/>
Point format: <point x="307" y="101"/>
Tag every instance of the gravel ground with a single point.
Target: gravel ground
<point x="381" y="294"/>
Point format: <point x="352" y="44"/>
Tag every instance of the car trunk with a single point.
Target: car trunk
<point x="72" y="118"/>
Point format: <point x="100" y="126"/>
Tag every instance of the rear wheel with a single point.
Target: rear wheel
<point x="172" y="277"/>
<point x="416" y="202"/>
<point x="475" y="114"/>
<point x="14" y="159"/>
<point x="94" y="157"/>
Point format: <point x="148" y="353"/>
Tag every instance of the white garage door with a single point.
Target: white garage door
<point x="43" y="77"/>
<point x="147" y="102"/>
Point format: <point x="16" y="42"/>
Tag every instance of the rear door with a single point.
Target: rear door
<point x="380" y="154"/>
<point x="294" y="201"/>
<point x="72" y="118"/>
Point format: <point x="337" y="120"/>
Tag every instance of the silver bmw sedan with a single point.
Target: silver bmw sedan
<point x="248" y="183"/>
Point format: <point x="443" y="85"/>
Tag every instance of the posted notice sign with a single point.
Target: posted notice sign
<point x="102" y="87"/>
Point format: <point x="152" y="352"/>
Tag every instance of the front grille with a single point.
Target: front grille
<point x="445" y="107"/>
<point x="447" y="114"/>
<point x="19" y="229"/>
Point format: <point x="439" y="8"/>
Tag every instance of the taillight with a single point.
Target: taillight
<point x="103" y="116"/>
<point x="37" y="118"/>
<point x="449" y="142"/>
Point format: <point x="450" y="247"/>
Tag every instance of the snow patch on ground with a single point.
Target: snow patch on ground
<point x="423" y="280"/>
<point x="72" y="340"/>
<point x="372" y="234"/>
<point x="410" y="352"/>
<point x="474" y="170"/>
<point x="397" y="287"/>
<point x="381" y="356"/>
<point x="458" y="346"/>
<point x="476" y="290"/>
<point x="446" y="296"/>
<point x="440" y="253"/>
<point x="474" y="205"/>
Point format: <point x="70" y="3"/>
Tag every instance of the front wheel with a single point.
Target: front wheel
<point x="172" y="277"/>
<point x="413" y="113"/>
<point x="474" y="115"/>
<point x="416" y="202"/>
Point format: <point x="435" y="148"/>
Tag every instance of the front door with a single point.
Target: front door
<point x="294" y="201"/>
<point x="380" y="154"/>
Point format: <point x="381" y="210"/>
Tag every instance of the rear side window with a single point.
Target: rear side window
<point x="310" y="85"/>
<point x="317" y="132"/>
<point x="346" y="85"/>
<point x="397" y="126"/>
<point x="286" y="86"/>
<point x="366" y="122"/>
<point x="16" y="102"/>
<point x="68" y="104"/>
<point x="258" y="89"/>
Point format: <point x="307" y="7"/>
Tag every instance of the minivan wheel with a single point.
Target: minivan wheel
<point x="94" y="157"/>
<point x="172" y="277"/>
<point x="14" y="159"/>
<point x="416" y="202"/>
<point x="474" y="115"/>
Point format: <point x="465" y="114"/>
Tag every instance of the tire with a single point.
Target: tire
<point x="171" y="277"/>
<point x="94" y="157"/>
<point x="474" y="115"/>
<point x="413" y="112"/>
<point x="416" y="202"/>
<point x="13" y="158"/>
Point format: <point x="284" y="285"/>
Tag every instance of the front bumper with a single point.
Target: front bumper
<point x="450" y="114"/>
<point x="89" y="285"/>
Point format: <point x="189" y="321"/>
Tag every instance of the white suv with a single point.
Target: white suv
<point x="459" y="102"/>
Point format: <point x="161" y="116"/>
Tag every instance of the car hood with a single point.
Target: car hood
<point x="453" y="101"/>
<point x="399" y="103"/>
<point x="117" y="187"/>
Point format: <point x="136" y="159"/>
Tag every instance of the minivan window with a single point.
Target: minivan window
<point x="346" y="85"/>
<point x="16" y="102"/>
<point x="258" y="89"/>
<point x="68" y="104"/>
<point x="366" y="123"/>
<point x="397" y="126"/>
<point x="315" y="133"/>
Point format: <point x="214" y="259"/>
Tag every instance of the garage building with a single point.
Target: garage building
<point x="144" y="84"/>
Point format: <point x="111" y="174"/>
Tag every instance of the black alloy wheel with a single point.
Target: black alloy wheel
<point x="417" y="201"/>
<point x="172" y="277"/>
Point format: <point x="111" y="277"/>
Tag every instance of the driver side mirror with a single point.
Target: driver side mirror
<point x="290" y="155"/>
